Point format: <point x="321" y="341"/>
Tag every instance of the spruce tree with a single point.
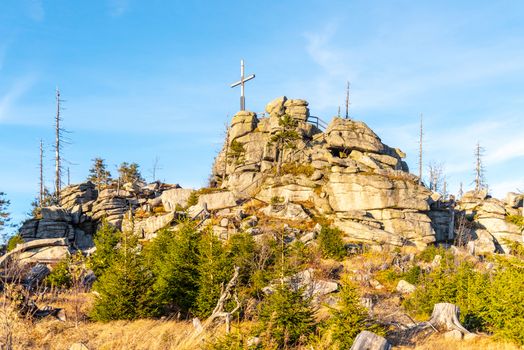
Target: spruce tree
<point x="215" y="270"/>
<point x="98" y="174"/>
<point x="285" y="138"/>
<point x="349" y="318"/>
<point x="173" y="258"/>
<point x="123" y="288"/>
<point x="286" y="318"/>
<point x="106" y="240"/>
<point x="129" y="173"/>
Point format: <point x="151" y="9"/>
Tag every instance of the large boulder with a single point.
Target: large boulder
<point x="347" y="134"/>
<point x="290" y="211"/>
<point x="217" y="200"/>
<point x="362" y="231"/>
<point x="276" y="107"/>
<point x="178" y="197"/>
<point x="54" y="229"/>
<point x="371" y="191"/>
<point x="483" y="243"/>
<point x="297" y="109"/>
<point x="243" y="123"/>
<point x="55" y="213"/>
<point x="515" y="200"/>
<point x="147" y="228"/>
<point x="77" y="194"/>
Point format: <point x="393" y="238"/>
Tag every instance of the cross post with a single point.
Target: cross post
<point x="241" y="82"/>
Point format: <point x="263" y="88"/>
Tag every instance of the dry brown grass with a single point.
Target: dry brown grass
<point x="141" y="334"/>
<point x="51" y="334"/>
<point x="479" y="342"/>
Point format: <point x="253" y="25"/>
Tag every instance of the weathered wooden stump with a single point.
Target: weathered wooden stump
<point x="370" y="341"/>
<point x="445" y="316"/>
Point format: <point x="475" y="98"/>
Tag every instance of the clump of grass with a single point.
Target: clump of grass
<point x="297" y="169"/>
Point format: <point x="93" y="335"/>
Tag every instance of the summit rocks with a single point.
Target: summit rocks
<point x="335" y="172"/>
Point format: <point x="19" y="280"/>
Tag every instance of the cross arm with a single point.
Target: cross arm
<point x="245" y="79"/>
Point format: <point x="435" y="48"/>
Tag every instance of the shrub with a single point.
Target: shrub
<point x="331" y="243"/>
<point x="515" y="248"/>
<point x="428" y="254"/>
<point x="516" y="219"/>
<point x="276" y="200"/>
<point x="232" y="341"/>
<point x="236" y="152"/>
<point x="350" y="318"/>
<point x="193" y="199"/>
<point x="13" y="241"/>
<point x="285" y="318"/>
<point x="60" y="277"/>
<point x="412" y="275"/>
<point x="241" y="250"/>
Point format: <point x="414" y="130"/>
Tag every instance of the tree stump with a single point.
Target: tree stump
<point x="445" y="316"/>
<point x="370" y="341"/>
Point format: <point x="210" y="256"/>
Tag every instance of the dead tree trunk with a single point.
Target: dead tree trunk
<point x="41" y="200"/>
<point x="58" y="166"/>
<point x="366" y="340"/>
<point x="347" y="101"/>
<point x="226" y="294"/>
<point x="218" y="312"/>
<point x="421" y="134"/>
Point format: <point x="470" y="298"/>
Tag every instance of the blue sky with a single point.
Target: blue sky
<point x="151" y="79"/>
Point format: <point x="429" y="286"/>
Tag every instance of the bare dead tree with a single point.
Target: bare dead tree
<point x="68" y="177"/>
<point x="436" y="176"/>
<point x="421" y="134"/>
<point x="480" y="181"/>
<point x="156" y="167"/>
<point x="461" y="190"/>
<point x="347" y="101"/>
<point x="226" y="294"/>
<point x="58" y="139"/>
<point x="41" y="166"/>
<point x="338" y="113"/>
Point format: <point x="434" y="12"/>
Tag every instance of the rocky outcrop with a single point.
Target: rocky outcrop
<point x="336" y="173"/>
<point x="83" y="208"/>
<point x="490" y="225"/>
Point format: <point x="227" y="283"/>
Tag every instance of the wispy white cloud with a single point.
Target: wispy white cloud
<point x="17" y="90"/>
<point x="118" y="7"/>
<point x="391" y="73"/>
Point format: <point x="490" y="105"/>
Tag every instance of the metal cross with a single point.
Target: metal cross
<point x="241" y="83"/>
